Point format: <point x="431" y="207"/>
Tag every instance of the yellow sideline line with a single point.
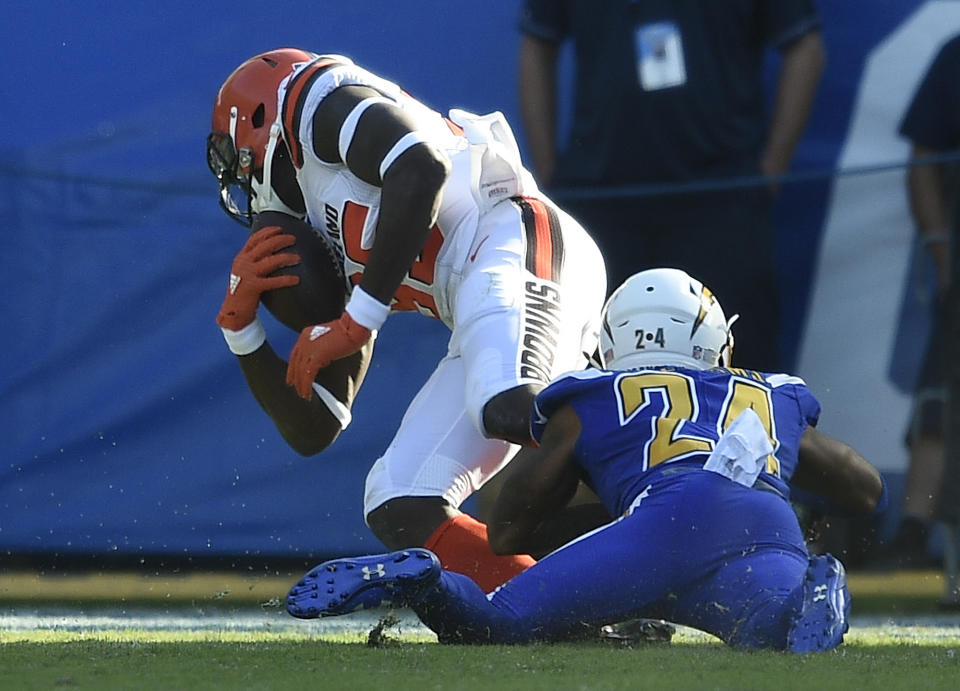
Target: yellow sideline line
<point x="905" y="583"/>
<point x="120" y="586"/>
<point x="246" y="588"/>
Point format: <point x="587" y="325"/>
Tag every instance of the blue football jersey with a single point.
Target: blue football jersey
<point x="644" y="421"/>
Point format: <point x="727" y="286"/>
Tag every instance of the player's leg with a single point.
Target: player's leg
<point x="584" y="584"/>
<point x="698" y="550"/>
<point x="514" y="331"/>
<point x="451" y="604"/>
<point x="435" y="461"/>
<point x="769" y="593"/>
<point x="747" y="602"/>
<point x="409" y="521"/>
<point x="600" y="578"/>
<point x="614" y="573"/>
<point x="629" y="568"/>
<point x="527" y="308"/>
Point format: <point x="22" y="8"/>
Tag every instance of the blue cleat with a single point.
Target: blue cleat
<point x="345" y="585"/>
<point x="825" y="614"/>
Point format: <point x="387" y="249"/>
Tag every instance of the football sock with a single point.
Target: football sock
<point x="461" y="545"/>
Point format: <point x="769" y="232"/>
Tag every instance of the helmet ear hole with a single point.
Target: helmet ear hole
<point x="258" y="117"/>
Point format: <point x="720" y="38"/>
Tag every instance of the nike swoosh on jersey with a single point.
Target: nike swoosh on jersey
<point x="473" y="257"/>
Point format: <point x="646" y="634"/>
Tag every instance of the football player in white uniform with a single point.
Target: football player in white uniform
<point x="430" y="213"/>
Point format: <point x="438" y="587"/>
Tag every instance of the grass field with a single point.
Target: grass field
<point x="51" y="637"/>
<point x="137" y="660"/>
<point x="284" y="665"/>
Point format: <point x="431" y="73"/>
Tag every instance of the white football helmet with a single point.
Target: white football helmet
<point x="664" y="317"/>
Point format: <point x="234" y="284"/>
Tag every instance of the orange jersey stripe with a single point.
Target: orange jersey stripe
<point x="544" y="252"/>
<point x="544" y="255"/>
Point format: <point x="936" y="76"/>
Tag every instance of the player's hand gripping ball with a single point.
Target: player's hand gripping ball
<point x="321" y="344"/>
<point x="253" y="273"/>
<point x="321" y="292"/>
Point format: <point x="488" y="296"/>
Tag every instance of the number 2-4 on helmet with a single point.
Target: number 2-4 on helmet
<point x="664" y="317"/>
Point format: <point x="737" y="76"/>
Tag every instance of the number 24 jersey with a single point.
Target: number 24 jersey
<point x="639" y="423"/>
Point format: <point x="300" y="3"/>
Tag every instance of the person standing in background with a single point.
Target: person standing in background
<point x="672" y="93"/>
<point x="932" y="124"/>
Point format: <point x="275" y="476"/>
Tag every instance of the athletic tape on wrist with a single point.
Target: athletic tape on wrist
<point x="247" y="339"/>
<point x="366" y="310"/>
<point x="339" y="410"/>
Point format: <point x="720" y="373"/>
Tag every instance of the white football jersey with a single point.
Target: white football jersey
<point x="347" y="208"/>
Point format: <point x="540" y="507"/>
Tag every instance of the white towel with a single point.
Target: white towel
<point x="741" y="453"/>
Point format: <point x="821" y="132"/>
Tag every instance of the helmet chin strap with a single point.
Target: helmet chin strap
<point x="265" y="197"/>
<point x="268" y="162"/>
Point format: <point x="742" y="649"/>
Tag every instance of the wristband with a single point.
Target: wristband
<point x="338" y="409"/>
<point x="366" y="310"/>
<point x="247" y="339"/>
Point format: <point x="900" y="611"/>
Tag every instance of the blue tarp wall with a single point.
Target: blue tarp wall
<point x="126" y="427"/>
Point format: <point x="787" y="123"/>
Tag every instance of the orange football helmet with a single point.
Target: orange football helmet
<point x="246" y="136"/>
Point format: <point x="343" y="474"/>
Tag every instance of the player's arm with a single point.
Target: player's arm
<point x="930" y="213"/>
<point x="380" y="144"/>
<point x="800" y="70"/>
<point x="529" y="515"/>
<point x="311" y="423"/>
<point x="833" y="470"/>
<point x="538" y="102"/>
<point x="308" y="426"/>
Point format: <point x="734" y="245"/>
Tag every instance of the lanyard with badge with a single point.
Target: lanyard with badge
<point x="659" y="49"/>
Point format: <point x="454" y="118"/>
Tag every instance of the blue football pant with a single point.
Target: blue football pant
<point x="699" y="550"/>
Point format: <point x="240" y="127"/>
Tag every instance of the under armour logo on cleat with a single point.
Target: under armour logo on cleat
<point x="368" y="574"/>
<point x="819" y="593"/>
<point x="318" y="331"/>
<point x="234" y="282"/>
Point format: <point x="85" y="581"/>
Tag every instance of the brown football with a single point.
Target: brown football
<point x="321" y="293"/>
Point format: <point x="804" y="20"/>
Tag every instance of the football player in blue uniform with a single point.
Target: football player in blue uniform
<point x="699" y="462"/>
